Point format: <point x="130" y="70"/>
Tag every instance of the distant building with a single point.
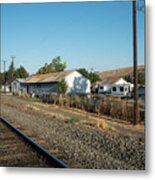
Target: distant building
<point x="17" y="86"/>
<point x="141" y="92"/>
<point x="95" y="87"/>
<point x="48" y="83"/>
<point x="115" y="86"/>
<point x="5" y="89"/>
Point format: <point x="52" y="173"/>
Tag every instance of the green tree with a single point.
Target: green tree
<point x="84" y="72"/>
<point x="12" y="74"/>
<point x="55" y="66"/>
<point x="43" y="70"/>
<point x="21" y="73"/>
<point x="141" y="78"/>
<point x="62" y="87"/>
<point x="93" y="77"/>
<point x="128" y="78"/>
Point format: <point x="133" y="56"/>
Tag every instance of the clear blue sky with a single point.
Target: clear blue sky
<point x="94" y="35"/>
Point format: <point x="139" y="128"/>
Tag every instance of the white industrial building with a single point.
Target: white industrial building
<point x="48" y="83"/>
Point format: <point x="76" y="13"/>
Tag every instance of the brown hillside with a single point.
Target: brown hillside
<point x="119" y="72"/>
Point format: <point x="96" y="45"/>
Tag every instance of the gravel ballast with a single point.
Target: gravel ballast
<point x="77" y="145"/>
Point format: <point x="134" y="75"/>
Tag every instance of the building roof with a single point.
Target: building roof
<point x="50" y="77"/>
<point x="110" y="80"/>
<point x="20" y="79"/>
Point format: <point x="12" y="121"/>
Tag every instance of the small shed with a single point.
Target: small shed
<point x="17" y="86"/>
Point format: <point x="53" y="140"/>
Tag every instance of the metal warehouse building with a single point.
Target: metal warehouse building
<point x="48" y="83"/>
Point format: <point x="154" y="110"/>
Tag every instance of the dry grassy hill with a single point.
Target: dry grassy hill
<point x="120" y="72"/>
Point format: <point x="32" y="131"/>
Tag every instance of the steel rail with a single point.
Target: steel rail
<point x="52" y="159"/>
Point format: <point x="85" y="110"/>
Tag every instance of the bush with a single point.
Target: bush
<point x="102" y="105"/>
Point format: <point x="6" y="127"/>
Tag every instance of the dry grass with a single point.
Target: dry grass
<point x="119" y="72"/>
<point x="46" y="113"/>
<point x="74" y="116"/>
<point x="102" y="123"/>
<point x="113" y="107"/>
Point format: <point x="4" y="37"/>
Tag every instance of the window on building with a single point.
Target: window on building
<point x="121" y="89"/>
<point x="114" y="89"/>
<point x="38" y="85"/>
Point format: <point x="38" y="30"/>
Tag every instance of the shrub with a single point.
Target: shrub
<point x="102" y="105"/>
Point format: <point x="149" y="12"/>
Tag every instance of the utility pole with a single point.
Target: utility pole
<point x="4" y="64"/>
<point x="136" y="113"/>
<point x="13" y="57"/>
<point x="12" y="73"/>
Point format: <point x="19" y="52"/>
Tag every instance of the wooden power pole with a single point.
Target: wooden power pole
<point x="136" y="113"/>
<point x="4" y="75"/>
<point x="12" y="71"/>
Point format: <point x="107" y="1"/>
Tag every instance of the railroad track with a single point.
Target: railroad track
<point x="19" y="150"/>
